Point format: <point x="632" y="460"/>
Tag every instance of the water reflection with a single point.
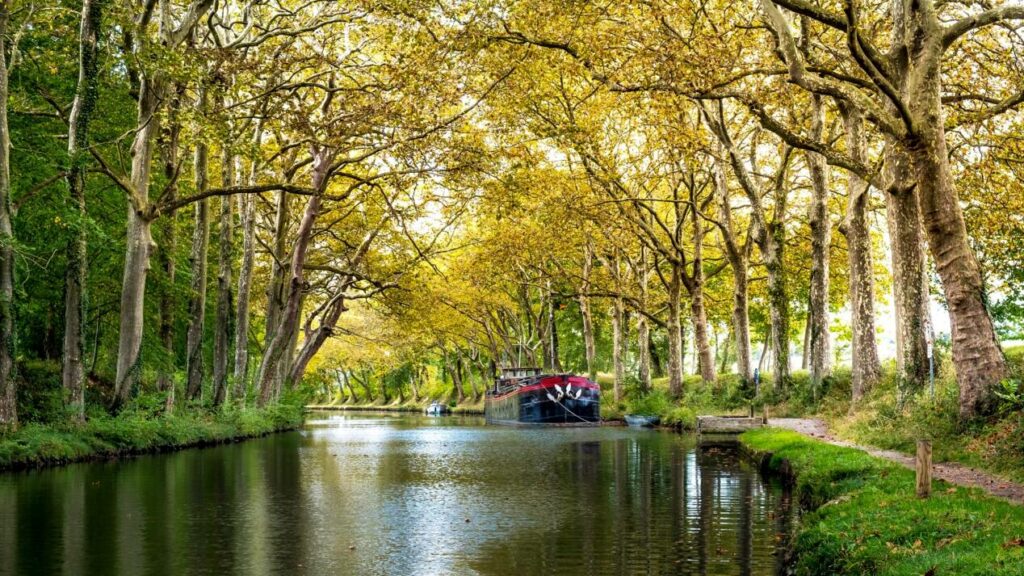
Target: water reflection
<point x="401" y="496"/>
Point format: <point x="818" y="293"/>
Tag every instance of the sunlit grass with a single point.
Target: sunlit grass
<point x="866" y="518"/>
<point x="132" y="432"/>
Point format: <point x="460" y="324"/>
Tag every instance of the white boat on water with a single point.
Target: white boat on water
<point x="436" y="409"/>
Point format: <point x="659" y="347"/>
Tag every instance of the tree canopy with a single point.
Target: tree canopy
<point x="221" y="201"/>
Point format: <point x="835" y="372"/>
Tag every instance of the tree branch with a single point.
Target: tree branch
<point x="987" y="18"/>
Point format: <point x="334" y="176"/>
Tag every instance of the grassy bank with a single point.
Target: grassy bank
<point x="138" y="432"/>
<point x="864" y="517"/>
<point x="891" y="420"/>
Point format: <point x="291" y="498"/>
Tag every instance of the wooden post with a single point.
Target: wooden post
<point x="765" y="415"/>
<point x="924" y="468"/>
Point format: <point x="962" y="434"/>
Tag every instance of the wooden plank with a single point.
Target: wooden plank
<point x="924" y="468"/>
<point x="726" y="424"/>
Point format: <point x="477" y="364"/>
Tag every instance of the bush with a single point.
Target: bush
<point x="40" y="394"/>
<point x="655" y="403"/>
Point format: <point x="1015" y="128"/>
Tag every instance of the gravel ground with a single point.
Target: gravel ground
<point x="950" y="472"/>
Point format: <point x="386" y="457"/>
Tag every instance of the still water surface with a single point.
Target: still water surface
<point x="402" y="495"/>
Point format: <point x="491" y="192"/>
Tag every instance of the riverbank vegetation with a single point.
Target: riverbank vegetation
<point x="136" y="431"/>
<point x="865" y="518"/>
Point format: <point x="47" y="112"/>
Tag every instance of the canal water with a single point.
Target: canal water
<point x="397" y="495"/>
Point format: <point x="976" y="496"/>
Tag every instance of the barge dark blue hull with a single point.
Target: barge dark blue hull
<point x="552" y="400"/>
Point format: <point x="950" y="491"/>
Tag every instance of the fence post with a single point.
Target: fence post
<point x="924" y="468"/>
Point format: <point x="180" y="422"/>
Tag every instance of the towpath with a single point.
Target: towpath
<point x="951" y="472"/>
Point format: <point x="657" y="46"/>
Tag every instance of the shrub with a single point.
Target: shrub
<point x="655" y="402"/>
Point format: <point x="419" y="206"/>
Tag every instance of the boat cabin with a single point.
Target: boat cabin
<point x="519" y="373"/>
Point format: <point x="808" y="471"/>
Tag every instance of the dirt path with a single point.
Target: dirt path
<point x="950" y="471"/>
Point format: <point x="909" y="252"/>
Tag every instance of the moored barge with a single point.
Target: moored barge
<point x="525" y="396"/>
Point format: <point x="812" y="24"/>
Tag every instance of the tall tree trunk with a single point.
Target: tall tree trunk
<point x="588" y="322"/>
<point x="351" y="389"/>
<point x="139" y="243"/>
<point x="724" y="362"/>
<point x="133" y="296"/>
<point x="643" y="328"/>
<point x="675" y="335"/>
<point x="737" y="256"/>
<point x="455" y="369"/>
<point x="248" y="214"/>
<point x="618" y="347"/>
<point x="701" y="338"/>
<point x="910" y="295"/>
<point x="657" y="367"/>
<point x="222" y="335"/>
<point x="277" y="353"/>
<point x="865" y="366"/>
<point x="643" y="339"/>
<point x="72" y="371"/>
<point x="702" y="343"/>
<point x="920" y="38"/>
<point x="197" y="260"/>
<point x="166" y="255"/>
<point x="276" y="287"/>
<point x="821" y="240"/>
<point x="414" y="377"/>
<point x="8" y="390"/>
<point x="806" y="355"/>
<point x="978" y="358"/>
<point x="778" y="314"/>
<point x="556" y="364"/>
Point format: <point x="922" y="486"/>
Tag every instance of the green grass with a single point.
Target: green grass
<point x="865" y="518"/>
<point x="136" y="432"/>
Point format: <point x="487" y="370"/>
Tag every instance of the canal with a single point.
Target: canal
<point x="396" y="495"/>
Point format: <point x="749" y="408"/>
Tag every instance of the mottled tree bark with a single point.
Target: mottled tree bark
<point x="588" y="322"/>
<point x="778" y="313"/>
<point x="675" y="335"/>
<point x="248" y="215"/>
<point x="698" y="312"/>
<point x="279" y="349"/>
<point x="618" y="346"/>
<point x="455" y="370"/>
<point x="910" y="295"/>
<point x="821" y="239"/>
<point x="556" y="363"/>
<point x="980" y="365"/>
<point x="197" y="261"/>
<point x="643" y="327"/>
<point x="139" y="243"/>
<point x="865" y="366"/>
<point x="72" y="370"/>
<point x="976" y="352"/>
<point x="165" y="255"/>
<point x="276" y="286"/>
<point x="8" y="389"/>
<point x="222" y="332"/>
<point x="738" y="263"/>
